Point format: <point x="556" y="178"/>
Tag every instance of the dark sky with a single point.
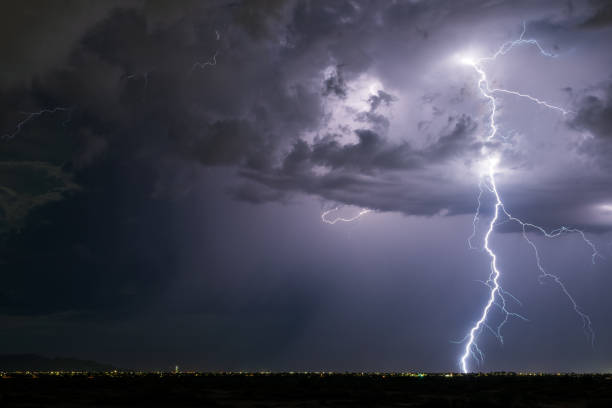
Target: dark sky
<point x="165" y="205"/>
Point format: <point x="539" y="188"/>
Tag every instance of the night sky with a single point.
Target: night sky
<point x="164" y="208"/>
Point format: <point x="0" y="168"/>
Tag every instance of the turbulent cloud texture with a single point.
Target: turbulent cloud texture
<point x="299" y="97"/>
<point x="358" y="103"/>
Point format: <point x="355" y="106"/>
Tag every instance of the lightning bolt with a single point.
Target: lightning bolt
<point x="497" y="295"/>
<point x="212" y="61"/>
<point x="332" y="221"/>
<point x="30" y="116"/>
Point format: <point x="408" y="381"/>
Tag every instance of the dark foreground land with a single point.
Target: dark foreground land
<point x="302" y="390"/>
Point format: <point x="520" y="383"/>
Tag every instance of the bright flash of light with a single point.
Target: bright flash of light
<point x="374" y="87"/>
<point x="467" y="60"/>
<point x="333" y="220"/>
<point x="497" y="295"/>
<point x="606" y="207"/>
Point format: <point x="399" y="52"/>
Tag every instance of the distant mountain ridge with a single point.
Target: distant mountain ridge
<point x="35" y="362"/>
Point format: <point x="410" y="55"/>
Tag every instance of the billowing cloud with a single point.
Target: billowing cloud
<point x="358" y="103"/>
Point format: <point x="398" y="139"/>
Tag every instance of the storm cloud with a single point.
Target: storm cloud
<point x="168" y="109"/>
<point x="284" y="99"/>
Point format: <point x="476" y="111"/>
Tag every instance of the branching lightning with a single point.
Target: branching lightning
<point x="497" y="295"/>
<point x="332" y="221"/>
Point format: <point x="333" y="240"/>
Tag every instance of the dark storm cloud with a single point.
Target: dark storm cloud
<point x="37" y="36"/>
<point x="595" y="114"/>
<point x="380" y="98"/>
<point x="377" y="120"/>
<point x="140" y="101"/>
<point x="594" y="117"/>
<point x="27" y="185"/>
<point x="131" y="79"/>
<point x="601" y="17"/>
<point x="373" y="152"/>
<point x="335" y="84"/>
<point x="173" y="209"/>
<point x="362" y="173"/>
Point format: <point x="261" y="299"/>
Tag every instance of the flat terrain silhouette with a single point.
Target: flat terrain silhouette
<point x="36" y="362"/>
<point x="114" y="389"/>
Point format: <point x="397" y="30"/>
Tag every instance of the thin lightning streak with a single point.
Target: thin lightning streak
<point x="471" y="345"/>
<point x="29" y="117"/>
<point x="586" y="320"/>
<point x="497" y="294"/>
<point x="476" y="218"/>
<point x="531" y="98"/>
<point x="332" y="221"/>
<point x="211" y="62"/>
<point x="507" y="46"/>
